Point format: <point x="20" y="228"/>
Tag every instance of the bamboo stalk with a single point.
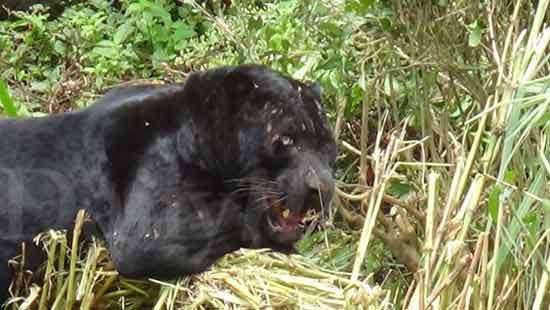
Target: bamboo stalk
<point x="429" y="236"/>
<point x="71" y="280"/>
<point x="48" y="276"/>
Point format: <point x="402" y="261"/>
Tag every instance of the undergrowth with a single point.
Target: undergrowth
<point x="441" y="110"/>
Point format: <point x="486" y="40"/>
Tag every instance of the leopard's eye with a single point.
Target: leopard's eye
<point x="282" y="146"/>
<point x="287" y="141"/>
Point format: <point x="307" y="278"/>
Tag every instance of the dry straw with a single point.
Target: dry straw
<point x="247" y="279"/>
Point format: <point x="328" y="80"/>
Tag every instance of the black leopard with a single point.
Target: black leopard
<point x="175" y="176"/>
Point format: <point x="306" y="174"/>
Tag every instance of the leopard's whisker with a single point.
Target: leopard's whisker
<point x="252" y="180"/>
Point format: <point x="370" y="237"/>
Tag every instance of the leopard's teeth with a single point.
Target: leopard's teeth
<point x="285" y="213"/>
<point x="274" y="226"/>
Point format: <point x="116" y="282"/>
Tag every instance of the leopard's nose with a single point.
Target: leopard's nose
<point x="320" y="185"/>
<point x="319" y="181"/>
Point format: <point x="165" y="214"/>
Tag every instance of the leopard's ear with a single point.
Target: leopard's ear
<point x="235" y="82"/>
<point x="316" y="89"/>
<point x="194" y="86"/>
<point x="238" y="83"/>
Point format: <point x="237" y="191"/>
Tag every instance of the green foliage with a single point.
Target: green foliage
<point x="6" y="101"/>
<point x="138" y="41"/>
<point x="474" y="38"/>
<point x="107" y="44"/>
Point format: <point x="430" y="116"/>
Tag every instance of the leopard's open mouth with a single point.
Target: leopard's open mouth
<point x="285" y="224"/>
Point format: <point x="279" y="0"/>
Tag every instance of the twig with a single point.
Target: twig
<point x="74" y="257"/>
<point x="464" y="302"/>
<point x="386" y="198"/>
<point x="456" y="272"/>
<point x="341" y="101"/>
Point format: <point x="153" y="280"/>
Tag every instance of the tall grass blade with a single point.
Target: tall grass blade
<point x="6" y="101"/>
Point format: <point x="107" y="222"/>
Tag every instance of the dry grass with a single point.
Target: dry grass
<point x="478" y="239"/>
<point x="247" y="279"/>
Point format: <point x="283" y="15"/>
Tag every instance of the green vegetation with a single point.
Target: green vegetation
<point x="441" y="109"/>
<point x="5" y="100"/>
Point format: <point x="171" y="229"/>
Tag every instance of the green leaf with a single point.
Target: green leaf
<point x="360" y="7"/>
<point x="6" y="101"/>
<point x="158" y="11"/>
<point x="255" y="23"/>
<point x="310" y="63"/>
<point x="276" y="42"/>
<point x="159" y="34"/>
<point x="385" y="23"/>
<point x="493" y="203"/>
<point x="531" y="218"/>
<point x="107" y="52"/>
<point x="356" y="94"/>
<point x="474" y="38"/>
<point x="41" y="86"/>
<point x="510" y="176"/>
<point x="546" y="210"/>
<point x="545" y="119"/>
<point x="135" y="7"/>
<point x="123" y="32"/>
<point x="59" y="47"/>
<point x="331" y="28"/>
<point x="182" y="31"/>
<point x="334" y="80"/>
<point x="399" y="189"/>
